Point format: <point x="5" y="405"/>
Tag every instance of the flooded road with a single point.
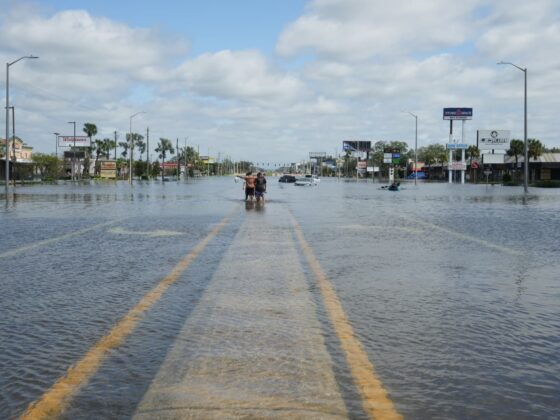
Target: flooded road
<point x="180" y="300"/>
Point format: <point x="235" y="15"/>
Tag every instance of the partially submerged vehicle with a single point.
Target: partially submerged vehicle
<point x="287" y="178"/>
<point x="307" y="180"/>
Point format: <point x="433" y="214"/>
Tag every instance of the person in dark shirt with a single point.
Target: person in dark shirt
<point x="260" y="187"/>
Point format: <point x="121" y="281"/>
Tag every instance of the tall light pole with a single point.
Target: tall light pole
<point x="131" y="147"/>
<point x="415" y="146"/>
<point x="8" y="116"/>
<point x="74" y="151"/>
<point x="526" y="158"/>
<point x="56" y="152"/>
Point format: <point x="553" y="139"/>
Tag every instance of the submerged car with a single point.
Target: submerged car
<point x="287" y="178"/>
<point x="308" y="180"/>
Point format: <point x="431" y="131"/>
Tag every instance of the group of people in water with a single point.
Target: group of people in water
<point x="254" y="186"/>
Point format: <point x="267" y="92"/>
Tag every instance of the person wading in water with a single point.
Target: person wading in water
<point x="249" y="184"/>
<point x="260" y="187"/>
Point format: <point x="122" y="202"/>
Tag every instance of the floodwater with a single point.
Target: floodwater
<point x="217" y="309"/>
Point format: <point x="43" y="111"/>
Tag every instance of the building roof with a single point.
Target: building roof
<point x="544" y="158"/>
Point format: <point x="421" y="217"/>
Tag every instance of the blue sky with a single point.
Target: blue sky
<point x="211" y="25"/>
<point x="275" y="80"/>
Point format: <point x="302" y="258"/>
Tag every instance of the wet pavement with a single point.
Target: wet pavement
<point x="180" y="300"/>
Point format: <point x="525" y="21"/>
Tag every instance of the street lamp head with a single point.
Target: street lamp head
<point x="56" y="134"/>
<point x="32" y="56"/>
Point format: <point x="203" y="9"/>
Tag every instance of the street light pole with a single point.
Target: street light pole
<point x="415" y="147"/>
<point x="131" y="147"/>
<point x="8" y="117"/>
<point x="526" y="151"/>
<point x="56" y="153"/>
<point x="74" y="150"/>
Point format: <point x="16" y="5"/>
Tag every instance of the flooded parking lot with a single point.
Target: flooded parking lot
<point x="181" y="300"/>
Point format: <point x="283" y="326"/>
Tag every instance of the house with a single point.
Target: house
<point x="23" y="158"/>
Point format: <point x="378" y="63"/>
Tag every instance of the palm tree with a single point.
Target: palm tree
<point x="98" y="147"/>
<point x="535" y="150"/>
<point x="124" y="145"/>
<point x="516" y="149"/>
<point x="90" y="130"/>
<point x="162" y="148"/>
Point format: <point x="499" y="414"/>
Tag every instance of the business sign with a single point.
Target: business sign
<point x="317" y="155"/>
<point x="362" y="165"/>
<point x="454" y="146"/>
<point x="457" y="166"/>
<point x="71" y="141"/>
<point x="457" y="113"/>
<point x="493" y="139"/>
<point x="391" y="155"/>
<point x="489" y="158"/>
<point x="356" y="145"/>
<point x="108" y="169"/>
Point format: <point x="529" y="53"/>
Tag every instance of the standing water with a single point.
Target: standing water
<point x="450" y="291"/>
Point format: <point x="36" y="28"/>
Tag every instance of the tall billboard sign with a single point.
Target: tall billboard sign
<point x="493" y="139"/>
<point x="457" y="113"/>
<point x="356" y="145"/>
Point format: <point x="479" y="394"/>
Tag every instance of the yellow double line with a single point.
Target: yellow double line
<point x="375" y="401"/>
<point x="58" y="396"/>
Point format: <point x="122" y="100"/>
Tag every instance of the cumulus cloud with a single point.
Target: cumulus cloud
<point x="360" y="29"/>
<point x="239" y="75"/>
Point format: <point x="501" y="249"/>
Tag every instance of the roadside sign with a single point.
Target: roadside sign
<point x="493" y="139"/>
<point x="453" y="146"/>
<point x="70" y="141"/>
<point x="457" y="113"/>
<point x="457" y="166"/>
<point x="487" y="172"/>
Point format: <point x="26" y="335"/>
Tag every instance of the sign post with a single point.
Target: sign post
<point x="452" y="114"/>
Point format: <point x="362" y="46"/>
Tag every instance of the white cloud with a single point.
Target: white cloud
<point x="360" y="29"/>
<point x="243" y="75"/>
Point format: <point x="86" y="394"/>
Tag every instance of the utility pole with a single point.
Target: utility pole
<point x="13" y="144"/>
<point x="148" y="149"/>
<point x="74" y="151"/>
<point x="178" y="160"/>
<point x="115" y="146"/>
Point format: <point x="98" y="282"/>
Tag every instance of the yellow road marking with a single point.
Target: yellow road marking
<point x="58" y="396"/>
<point x="375" y="400"/>
<point x="53" y="240"/>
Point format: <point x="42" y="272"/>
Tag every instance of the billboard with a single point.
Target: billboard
<point x="317" y="155"/>
<point x="70" y="141"/>
<point x="493" y="139"/>
<point x="457" y="113"/>
<point x="356" y="145"/>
